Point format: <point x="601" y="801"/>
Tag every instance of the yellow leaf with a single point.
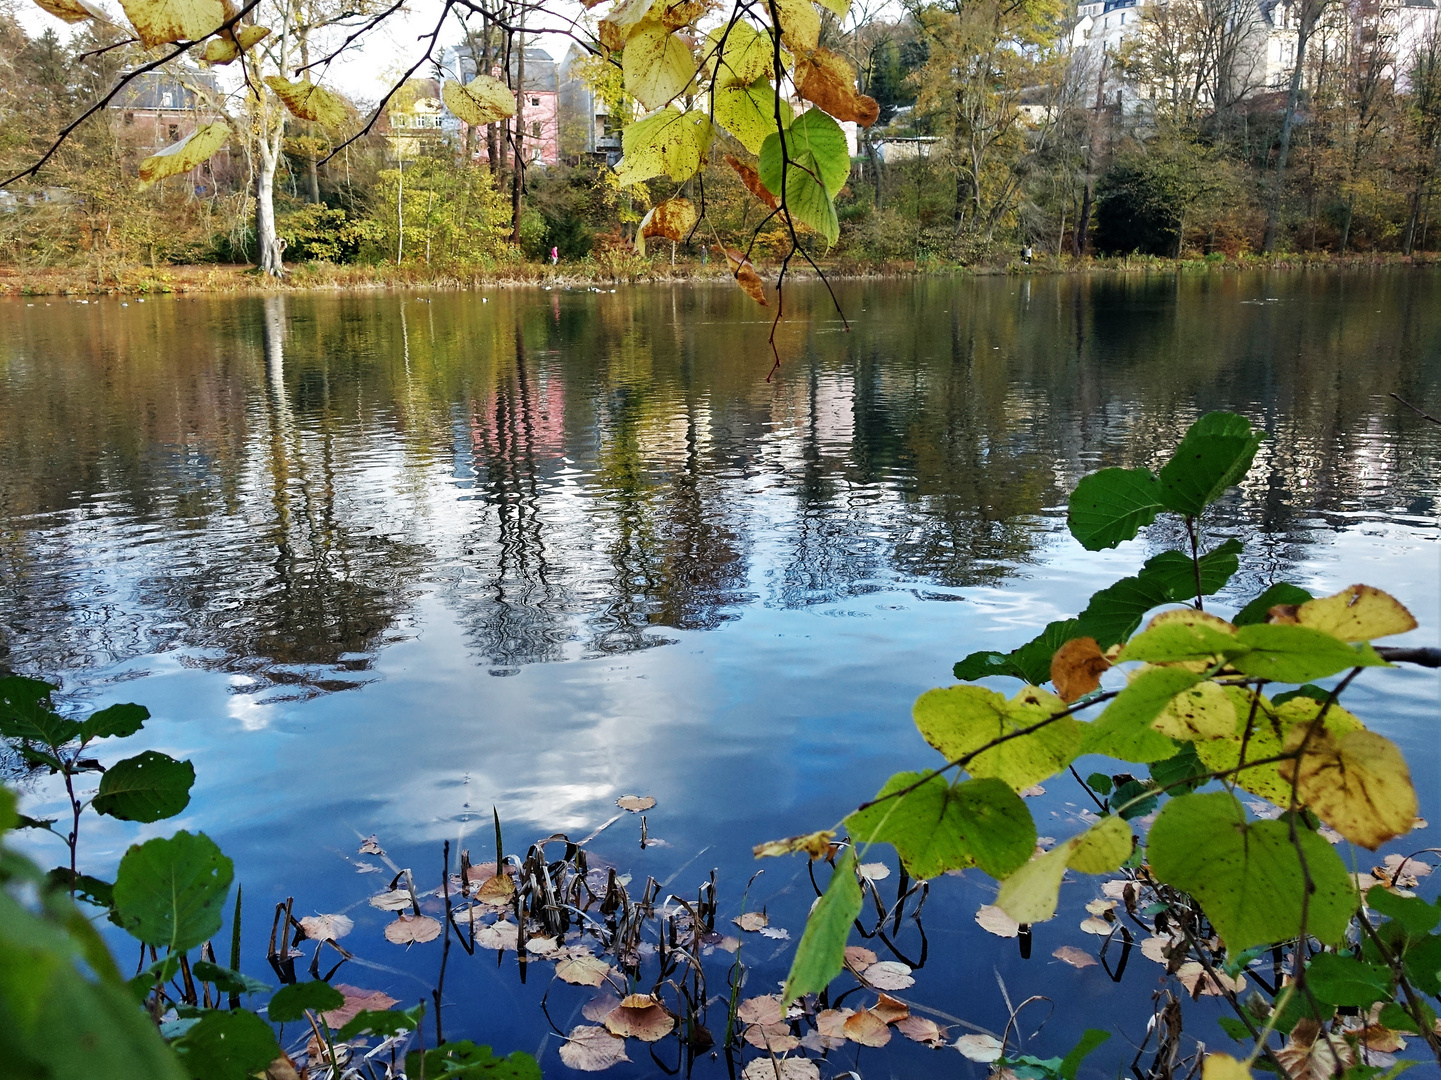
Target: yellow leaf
<point x="197" y="147"/>
<point x="815" y="844"/>
<point x="838" y="8"/>
<point x="1030" y="894"/>
<point x="666" y="141"/>
<point x="158" y="22"/>
<point x="227" y="47"/>
<point x="747" y="55"/>
<point x="657" y="65"/>
<point x="959" y="720"/>
<point x="621" y="21"/>
<point x="1357" y="783"/>
<point x="1202" y="712"/>
<point x="672" y="220"/>
<point x="828" y="80"/>
<point x="1076" y="668"/>
<point x="749" y="113"/>
<point x="1191" y="617"/>
<point x="483" y="100"/>
<point x="800" y="23"/>
<point x="72" y="11"/>
<point x="249" y="36"/>
<point x="1358" y="613"/>
<point x="745" y="275"/>
<point x="675" y="14"/>
<point x="1224" y="1067"/>
<point x="310" y="102"/>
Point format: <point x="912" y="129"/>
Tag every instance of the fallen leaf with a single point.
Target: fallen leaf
<point x="726" y="943"/>
<point x="772" y="1038"/>
<point x="600" y="1006"/>
<point x="761" y="1010"/>
<point x="865" y="1027"/>
<point x="1198" y="984"/>
<point x="874" y="871"/>
<point x="1156" y="948"/>
<point x="751" y="921"/>
<point x="996" y="921"/>
<point x="391" y="900"/>
<point x="1076" y="668"/>
<point x="592" y="1049"/>
<point x="1099" y="927"/>
<point x="779" y="933"/>
<point x="919" y="1029"/>
<point x="817" y="1043"/>
<point x="815" y="844"/>
<point x="282" y="1068"/>
<point x="497" y="890"/>
<point x="832" y="1022"/>
<point x="1100" y="907"/>
<point x="859" y="958"/>
<point x="890" y="1009"/>
<point x="541" y="946"/>
<point x="982" y="1048"/>
<point x="1115" y="889"/>
<point x="582" y="970"/>
<point x="326" y="927"/>
<point x="1306" y="1056"/>
<point x="781" y="1069"/>
<point x="412" y="930"/>
<point x="1034" y="791"/>
<point x="371" y="845"/>
<point x="357" y="1001"/>
<point x="635" y="803"/>
<point x="499" y="935"/>
<point x="1077" y="958"/>
<point x="888" y="975"/>
<point x="640" y="1016"/>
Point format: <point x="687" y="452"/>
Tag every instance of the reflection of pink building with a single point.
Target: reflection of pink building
<point x="539" y="106"/>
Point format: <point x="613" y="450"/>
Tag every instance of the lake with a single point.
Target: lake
<point x="378" y="563"/>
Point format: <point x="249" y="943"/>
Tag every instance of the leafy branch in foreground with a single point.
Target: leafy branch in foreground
<point x="1221" y="886"/>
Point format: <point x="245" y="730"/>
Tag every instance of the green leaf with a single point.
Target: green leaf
<point x="9" y="816"/>
<point x="822" y="951"/>
<point x="1174" y="571"/>
<point x="1174" y="642"/>
<point x="1280" y="593"/>
<point x="938" y="827"/>
<point x="1234" y="1028"/>
<point x="1397" y="1018"/>
<point x="1133" y="799"/>
<point x="1344" y="980"/>
<point x="815" y="139"/>
<point x="170" y="891"/>
<point x="466" y="1061"/>
<point x="1032" y="892"/>
<point x="227" y="1046"/>
<point x="982" y="665"/>
<point x="1415" y="915"/>
<point x="1246" y="875"/>
<point x="749" y="113"/>
<point x="290" y="1002"/>
<point x="25" y="713"/>
<point x="226" y="980"/>
<point x="1212" y="456"/>
<point x="1111" y="506"/>
<point x="1100" y="783"/>
<point x="117" y="721"/>
<point x="90" y="889"/>
<point x="1308" y="690"/>
<point x="1090" y="1040"/>
<point x="1174" y="775"/>
<point x="147" y="787"/>
<point x="656" y="64"/>
<point x="668" y="142"/>
<point x="1423" y="964"/>
<point x="1298" y="654"/>
<point x="958" y="720"/>
<point x="382" y="1023"/>
<point x="1124" y="729"/>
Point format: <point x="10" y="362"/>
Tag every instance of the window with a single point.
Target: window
<point x="535" y="130"/>
<point x="535" y="101"/>
<point x="174" y="132"/>
<point x="167" y="100"/>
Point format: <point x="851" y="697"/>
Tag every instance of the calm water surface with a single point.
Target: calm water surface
<point x="379" y="563"/>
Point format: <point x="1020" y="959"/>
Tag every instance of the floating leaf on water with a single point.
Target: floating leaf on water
<point x="865" y="1027"/>
<point x="919" y="1029"/>
<point x="1159" y="947"/>
<point x="582" y="970"/>
<point x="890" y="1009"/>
<point x="412" y="930"/>
<point x="832" y="1022"/>
<point x="817" y="1043"/>
<point x="1077" y="958"/>
<point x="772" y="1038"/>
<point x="779" y="933"/>
<point x="1357" y="613"/>
<point x="751" y="921"/>
<point x="1100" y="907"/>
<point x="761" y="1010"/>
<point x="1307" y="1056"/>
<point x="1198" y="983"/>
<point x="888" y="975"/>
<point x="366" y="868"/>
<point x="1099" y="927"/>
<point x="1032" y="792"/>
<point x="640" y="1016"/>
<point x="993" y="920"/>
<point x="357" y="1001"/>
<point x="874" y="871"/>
<point x="498" y="935"/>
<point x="817" y="845"/>
<point x="542" y="946"/>
<point x="326" y="927"/>
<point x="982" y="1048"/>
<point x="391" y="900"/>
<point x="781" y="1069"/>
<point x="858" y="958"/>
<point x="497" y="890"/>
<point x="725" y="943"/>
<point x="371" y="846"/>
<point x="592" y="1049"/>
<point x="600" y="1006"/>
<point x="635" y="803"/>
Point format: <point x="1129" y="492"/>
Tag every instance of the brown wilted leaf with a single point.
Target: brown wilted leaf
<point x="761" y="1010"/>
<point x="326" y="927"/>
<point x="412" y="930"/>
<point x="73" y="11"/>
<point x="865" y="1027"/>
<point x="745" y="275"/>
<point x="499" y="935"/>
<point x="635" y="803"/>
<point x="874" y="871"/>
<point x="600" y="1006"/>
<point x="858" y="958"/>
<point x="1159" y="949"/>
<point x="815" y="844"/>
<point x="781" y="1069"/>
<point x="1076" y="668"/>
<point x="817" y="1043"/>
<point x="752" y="180"/>
<point x="1356" y="613"/>
<point x="497" y="890"/>
<point x="1077" y="958"/>
<point x="995" y="921"/>
<point x="282" y="1068"/>
<point x="890" y="1009"/>
<point x="832" y="1022"/>
<point x="919" y="1029"/>
<point x="592" y="1049"/>
<point x="772" y="1038"/>
<point x="640" y="1016"/>
<point x="371" y="846"/>
<point x="582" y="970"/>
<point x="357" y="1001"/>
<point x="752" y="921"/>
<point x="827" y="80"/>
<point x="391" y="900"/>
<point x="888" y="975"/>
<point x="1199" y="984"/>
<point x="1309" y="1056"/>
<point x="673" y="219"/>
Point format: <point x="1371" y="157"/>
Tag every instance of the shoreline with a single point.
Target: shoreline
<point x="218" y="279"/>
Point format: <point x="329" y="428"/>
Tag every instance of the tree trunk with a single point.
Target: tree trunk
<point x="270" y="246"/>
<point x="517" y="176"/>
<point x="1310" y="9"/>
<point x="313" y="175"/>
<point x="1083" y="219"/>
<point x="1346" y="228"/>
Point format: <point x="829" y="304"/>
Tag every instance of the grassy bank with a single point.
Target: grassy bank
<point x="219" y="278"/>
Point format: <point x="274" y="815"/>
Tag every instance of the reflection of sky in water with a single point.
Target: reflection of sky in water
<point x="376" y="577"/>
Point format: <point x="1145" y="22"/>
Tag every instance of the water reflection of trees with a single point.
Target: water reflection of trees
<point x="271" y="483"/>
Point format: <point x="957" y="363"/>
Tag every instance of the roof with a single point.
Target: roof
<point x="164" y="92"/>
<point x="541" y="74"/>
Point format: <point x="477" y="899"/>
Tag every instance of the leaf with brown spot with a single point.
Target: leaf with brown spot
<point x="745" y="275"/>
<point x="159" y="22"/>
<point x="752" y="180"/>
<point x="890" y="1009"/>
<point x="761" y="1010"/>
<point x="195" y="149"/>
<point x="827" y="80"/>
<point x="672" y="220"/>
<point x="751" y="921"/>
<point x="865" y="1027"/>
<point x="496" y="890"/>
<point x="772" y="1038"/>
<point x="635" y="803"/>
<point x="1077" y="958"/>
<point x="640" y="1016"/>
<point x="357" y="1001"/>
<point x="72" y="11"/>
<point x="326" y="927"/>
<point x="582" y="970"/>
<point x="815" y="844"/>
<point x="1356" y="613"/>
<point x="1199" y="983"/>
<point x="592" y="1049"/>
<point x="858" y="958"/>
<point x="919" y="1029"/>
<point x="310" y="102"/>
<point x="1076" y="668"/>
<point x="1357" y="783"/>
<point x="412" y="930"/>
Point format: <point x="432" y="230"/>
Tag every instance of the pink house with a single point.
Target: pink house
<point x="539" y="107"/>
